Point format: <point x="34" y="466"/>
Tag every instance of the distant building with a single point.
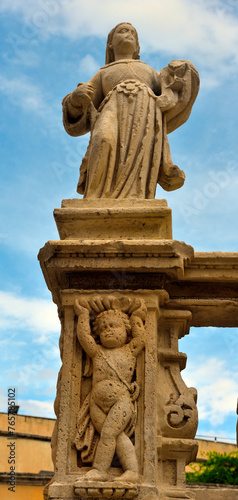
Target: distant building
<point x="31" y="452"/>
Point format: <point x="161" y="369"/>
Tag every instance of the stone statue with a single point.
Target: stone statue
<point x="110" y="407"/>
<point x="129" y="109"/>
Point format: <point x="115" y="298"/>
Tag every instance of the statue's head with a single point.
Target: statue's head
<point x="121" y="29"/>
<point x="112" y="326"/>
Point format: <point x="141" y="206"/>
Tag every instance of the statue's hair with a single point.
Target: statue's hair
<point x="109" y="51"/>
<point x="115" y="312"/>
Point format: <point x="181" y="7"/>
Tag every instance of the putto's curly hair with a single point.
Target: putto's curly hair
<point x="109" y="51"/>
<point x="111" y="312"/>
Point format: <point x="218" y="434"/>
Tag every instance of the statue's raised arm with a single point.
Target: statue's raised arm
<point x="129" y="109"/>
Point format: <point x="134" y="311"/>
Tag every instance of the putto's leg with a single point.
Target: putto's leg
<point x="115" y="423"/>
<point x="98" y="416"/>
<point x="127" y="456"/>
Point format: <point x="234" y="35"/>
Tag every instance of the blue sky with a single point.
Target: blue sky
<point x="47" y="47"/>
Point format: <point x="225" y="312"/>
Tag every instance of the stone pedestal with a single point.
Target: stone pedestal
<point x="121" y="256"/>
<point x="113" y="219"/>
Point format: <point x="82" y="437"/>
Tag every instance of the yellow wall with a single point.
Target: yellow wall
<point x="29" y="425"/>
<point x="22" y="492"/>
<point x="32" y="455"/>
<point x="205" y="446"/>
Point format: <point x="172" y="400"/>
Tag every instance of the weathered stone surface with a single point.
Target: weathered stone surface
<point x="156" y="456"/>
<point x="115" y="489"/>
<point x="212" y="297"/>
<point x="161" y="451"/>
<point x="114" y="220"/>
<point x="180" y="296"/>
<point x="129" y="109"/>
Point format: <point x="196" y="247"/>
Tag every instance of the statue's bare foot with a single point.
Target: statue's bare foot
<point x="129" y="477"/>
<point x="95" y="475"/>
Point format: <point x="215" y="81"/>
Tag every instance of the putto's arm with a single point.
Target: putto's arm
<point x="138" y="341"/>
<point x="137" y="328"/>
<point x="83" y="330"/>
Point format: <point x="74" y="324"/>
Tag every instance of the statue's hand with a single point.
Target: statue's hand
<point x="81" y="306"/>
<point x="165" y="102"/>
<point x="81" y="97"/>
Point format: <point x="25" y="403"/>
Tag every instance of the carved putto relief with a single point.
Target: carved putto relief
<point x="111" y="332"/>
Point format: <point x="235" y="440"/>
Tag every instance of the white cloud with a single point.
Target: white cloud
<point x="208" y="200"/>
<point x="23" y="57"/>
<point x="35" y="376"/>
<point x="32" y="314"/>
<point x="205" y="31"/>
<point x="22" y="92"/>
<point x="217" y="389"/>
<point x="29" y="406"/>
<point x="36" y="408"/>
<point x="38" y="13"/>
<point x="88" y="65"/>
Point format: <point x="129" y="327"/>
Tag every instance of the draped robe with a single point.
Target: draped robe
<point x="128" y="152"/>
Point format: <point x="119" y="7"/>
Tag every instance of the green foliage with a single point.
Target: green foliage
<point x="219" y="468"/>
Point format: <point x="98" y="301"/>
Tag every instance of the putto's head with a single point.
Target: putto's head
<point x="123" y="33"/>
<point x="112" y="326"/>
